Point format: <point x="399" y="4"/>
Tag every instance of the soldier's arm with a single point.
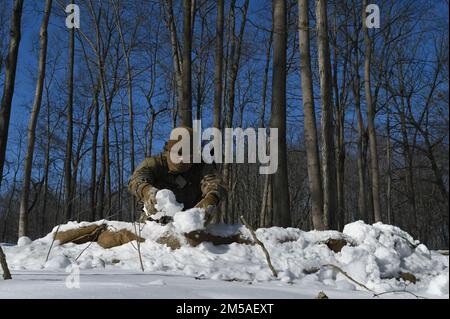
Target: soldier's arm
<point x="143" y="178"/>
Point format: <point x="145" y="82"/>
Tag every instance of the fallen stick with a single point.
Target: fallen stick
<point x="266" y="253"/>
<point x="53" y="241"/>
<point x="6" y="273"/>
<point x="400" y="291"/>
<point x="138" y="243"/>
<point x="348" y="276"/>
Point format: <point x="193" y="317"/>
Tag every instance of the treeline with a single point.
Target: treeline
<point x="362" y="112"/>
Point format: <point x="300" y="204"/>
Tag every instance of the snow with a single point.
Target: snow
<point x="118" y="284"/>
<point x="58" y="262"/>
<point x="189" y="220"/>
<point x="23" y="241"/>
<point x="439" y="285"/>
<point x="374" y="257"/>
<point x="166" y="204"/>
<point x="184" y="221"/>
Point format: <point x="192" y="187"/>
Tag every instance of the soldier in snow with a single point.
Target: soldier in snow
<point x="194" y="184"/>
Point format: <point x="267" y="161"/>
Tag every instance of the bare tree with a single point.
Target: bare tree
<point x="185" y="110"/>
<point x="182" y="61"/>
<point x="362" y="133"/>
<point x="68" y="183"/>
<point x="234" y="58"/>
<point x="43" y="35"/>
<point x="374" y="170"/>
<point x="341" y="59"/>
<point x="10" y="78"/>
<point x="311" y="143"/>
<point x="218" y="73"/>
<point x="127" y="49"/>
<point x="280" y="193"/>
<point x="327" y="130"/>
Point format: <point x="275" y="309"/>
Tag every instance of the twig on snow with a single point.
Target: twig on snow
<point x="51" y="245"/>
<point x="399" y="291"/>
<point x="255" y="238"/>
<point x="348" y="276"/>
<point x="139" y="244"/>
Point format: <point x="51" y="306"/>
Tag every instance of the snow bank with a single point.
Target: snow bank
<point x="23" y="241"/>
<point x="375" y="256"/>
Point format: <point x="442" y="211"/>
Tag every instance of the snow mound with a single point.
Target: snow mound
<point x="57" y="262"/>
<point x="23" y="241"/>
<point x="374" y="256"/>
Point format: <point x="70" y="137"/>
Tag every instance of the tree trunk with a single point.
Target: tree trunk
<point x="46" y="161"/>
<point x="93" y="189"/>
<point x="262" y="115"/>
<point x="390" y="217"/>
<point x="185" y="109"/>
<point x="439" y="180"/>
<point x="177" y="60"/>
<point x="218" y="72"/>
<point x="371" y="121"/>
<point x="4" y="264"/>
<point x="235" y="55"/>
<point x="101" y="183"/>
<point x="9" y="80"/>
<point x="106" y="161"/>
<point x="281" y="203"/>
<point x="326" y="99"/>
<point x="43" y="36"/>
<point x="126" y="52"/>
<point x="339" y="94"/>
<point x="310" y="129"/>
<point x="361" y="157"/>
<point x="13" y="193"/>
<point x="69" y="138"/>
<point x="408" y="162"/>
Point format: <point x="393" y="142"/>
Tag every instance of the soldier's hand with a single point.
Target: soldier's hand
<point x="149" y="199"/>
<point x="207" y="201"/>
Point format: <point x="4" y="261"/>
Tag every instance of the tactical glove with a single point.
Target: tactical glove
<point x="149" y="200"/>
<point x="209" y="200"/>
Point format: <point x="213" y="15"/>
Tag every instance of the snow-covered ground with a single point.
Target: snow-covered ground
<point x="378" y="254"/>
<point x="375" y="256"/>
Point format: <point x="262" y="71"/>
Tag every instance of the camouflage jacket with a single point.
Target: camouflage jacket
<point x="189" y="187"/>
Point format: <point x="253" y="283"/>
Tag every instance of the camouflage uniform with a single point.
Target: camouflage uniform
<point x="200" y="186"/>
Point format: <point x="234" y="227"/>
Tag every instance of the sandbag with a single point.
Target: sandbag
<point x="80" y="235"/>
<point x="195" y="238"/>
<point x="109" y="239"/>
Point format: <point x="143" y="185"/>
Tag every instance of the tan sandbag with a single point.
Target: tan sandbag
<point x="109" y="239"/>
<point x="80" y="235"/>
<point x="170" y="241"/>
<point x="195" y="238"/>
